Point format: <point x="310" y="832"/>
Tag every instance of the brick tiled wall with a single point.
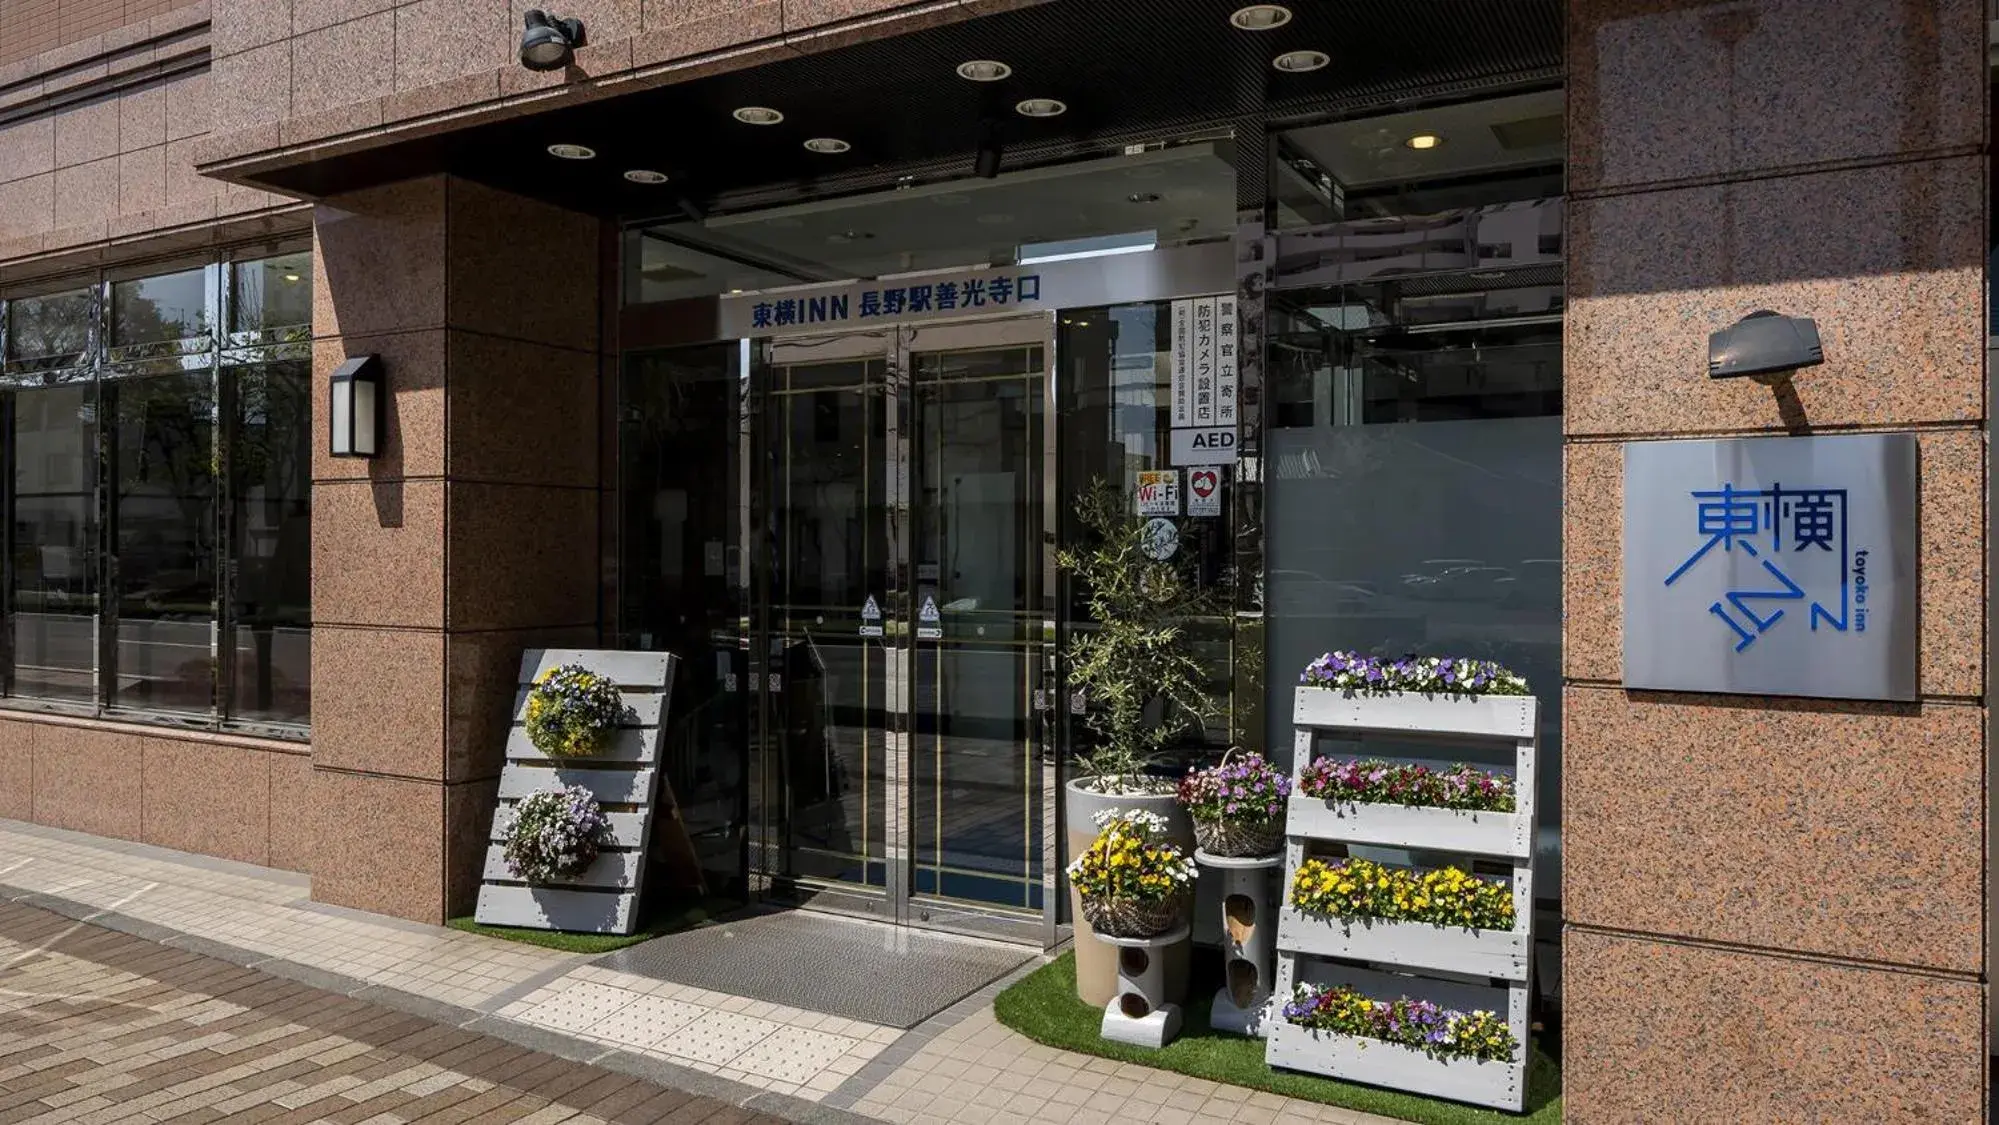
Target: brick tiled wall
<point x="29" y="27"/>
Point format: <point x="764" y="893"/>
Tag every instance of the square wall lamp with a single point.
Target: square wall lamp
<point x="358" y="403"/>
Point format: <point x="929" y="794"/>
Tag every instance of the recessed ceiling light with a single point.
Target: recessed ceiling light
<point x="573" y="152"/>
<point x="827" y="145"/>
<point x="1041" y="107"/>
<point x="291" y="276"/>
<point x="1298" y="62"/>
<point x="645" y="176"/>
<point x="984" y="70"/>
<point x="1142" y="197"/>
<point x="758" y="115"/>
<point x="1261" y="17"/>
<point x="1424" y="140"/>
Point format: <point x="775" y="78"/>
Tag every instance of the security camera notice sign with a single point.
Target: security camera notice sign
<point x="1204" y="381"/>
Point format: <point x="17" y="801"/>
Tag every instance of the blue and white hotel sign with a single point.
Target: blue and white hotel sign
<point x="1772" y="566"/>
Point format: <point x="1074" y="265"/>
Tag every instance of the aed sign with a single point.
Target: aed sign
<point x="1211" y="446"/>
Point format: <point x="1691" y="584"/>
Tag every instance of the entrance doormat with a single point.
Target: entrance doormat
<point x="845" y="967"/>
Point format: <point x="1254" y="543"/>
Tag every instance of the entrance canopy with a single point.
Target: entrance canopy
<point x="1124" y="70"/>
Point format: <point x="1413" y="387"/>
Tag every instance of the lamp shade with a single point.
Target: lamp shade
<point x="357" y="401"/>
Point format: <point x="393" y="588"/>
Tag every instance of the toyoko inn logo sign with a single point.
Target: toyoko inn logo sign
<point x="1772" y="566"/>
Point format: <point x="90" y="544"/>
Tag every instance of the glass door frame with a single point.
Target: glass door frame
<point x="896" y="900"/>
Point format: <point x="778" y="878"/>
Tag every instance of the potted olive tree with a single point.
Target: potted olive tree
<point x="1141" y="687"/>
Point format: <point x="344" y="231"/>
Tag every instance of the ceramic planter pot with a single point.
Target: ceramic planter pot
<point x="1096" y="962"/>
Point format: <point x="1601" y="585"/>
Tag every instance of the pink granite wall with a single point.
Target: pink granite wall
<point x="472" y="537"/>
<point x="1775" y="908"/>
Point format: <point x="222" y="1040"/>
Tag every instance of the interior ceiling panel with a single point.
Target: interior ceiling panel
<point x="1127" y="69"/>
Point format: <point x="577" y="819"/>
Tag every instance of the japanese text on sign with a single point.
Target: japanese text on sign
<point x="972" y="293"/>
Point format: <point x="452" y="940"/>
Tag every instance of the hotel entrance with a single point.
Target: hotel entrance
<point x="908" y="613"/>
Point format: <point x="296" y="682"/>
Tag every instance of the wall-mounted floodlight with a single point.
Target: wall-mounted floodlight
<point x="548" y="43"/>
<point x="1764" y="342"/>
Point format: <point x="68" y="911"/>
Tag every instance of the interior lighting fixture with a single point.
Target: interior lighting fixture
<point x="1422" y="141"/>
<point x="572" y="152"/>
<point x="1261" y="17"/>
<point x="758" y="115"/>
<point x="1299" y="62"/>
<point x="829" y="146"/>
<point x="645" y="176"/>
<point x="548" y="43"/>
<point x="984" y="70"/>
<point x="1040" y="107"/>
<point x="291" y="275"/>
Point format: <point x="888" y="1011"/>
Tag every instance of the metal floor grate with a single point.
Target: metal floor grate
<point x="845" y="967"/>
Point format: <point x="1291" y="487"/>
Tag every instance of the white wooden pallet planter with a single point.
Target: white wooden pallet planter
<point x="1412" y="958"/>
<point x="1500" y="1085"/>
<point x="1411" y="826"/>
<point x="1417" y="945"/>
<point x="1509" y="717"/>
<point x="622" y="776"/>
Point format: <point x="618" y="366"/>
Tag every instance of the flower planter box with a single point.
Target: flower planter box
<point x="1500" y="1085"/>
<point x="1416" y="945"/>
<point x="1411" y="826"/>
<point x="1508" y="717"/>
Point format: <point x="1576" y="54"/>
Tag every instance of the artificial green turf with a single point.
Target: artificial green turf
<point x="1043" y="1007"/>
<point x="666" y="919"/>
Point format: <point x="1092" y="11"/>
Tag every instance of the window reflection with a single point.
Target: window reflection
<point x="154" y="310"/>
<point x="116" y="595"/>
<point x="162" y="459"/>
<point x="271" y="294"/>
<point x="270" y="459"/>
<point x="53" y="599"/>
<point x="51" y="332"/>
<point x="1415" y="456"/>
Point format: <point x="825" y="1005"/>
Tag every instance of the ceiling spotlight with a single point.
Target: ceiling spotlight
<point x="548" y="43"/>
<point x="1422" y="141"/>
<point x="291" y="275"/>
<point x="983" y="70"/>
<point x="1298" y="62"/>
<point x="645" y="176"/>
<point x="827" y="145"/>
<point x="1040" y="107"/>
<point x="573" y="152"/>
<point x="758" y="115"/>
<point x="1261" y="17"/>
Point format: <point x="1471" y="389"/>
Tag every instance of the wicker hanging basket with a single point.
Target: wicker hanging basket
<point x="1238" y="840"/>
<point x="1131" y="918"/>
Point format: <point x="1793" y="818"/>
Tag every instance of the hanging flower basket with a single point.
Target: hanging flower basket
<point x="573" y="712"/>
<point x="555" y="835"/>
<point x="1238" y="806"/>
<point x="1132" y="880"/>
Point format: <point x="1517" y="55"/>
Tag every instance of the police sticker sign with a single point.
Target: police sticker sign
<point x="1772" y="566"/>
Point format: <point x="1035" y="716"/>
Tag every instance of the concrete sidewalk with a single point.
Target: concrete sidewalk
<point x="959" y="1066"/>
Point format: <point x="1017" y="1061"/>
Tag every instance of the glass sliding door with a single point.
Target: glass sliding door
<point x="907" y="579"/>
<point x="978" y="512"/>
<point x="830" y="432"/>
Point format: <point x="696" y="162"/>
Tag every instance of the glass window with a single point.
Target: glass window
<point x="271" y="295"/>
<point x="1116" y="410"/>
<point x="52" y="601"/>
<point x="142" y="579"/>
<point x="49" y="332"/>
<point x="271" y="542"/>
<point x="156" y="310"/>
<point x="162" y="453"/>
